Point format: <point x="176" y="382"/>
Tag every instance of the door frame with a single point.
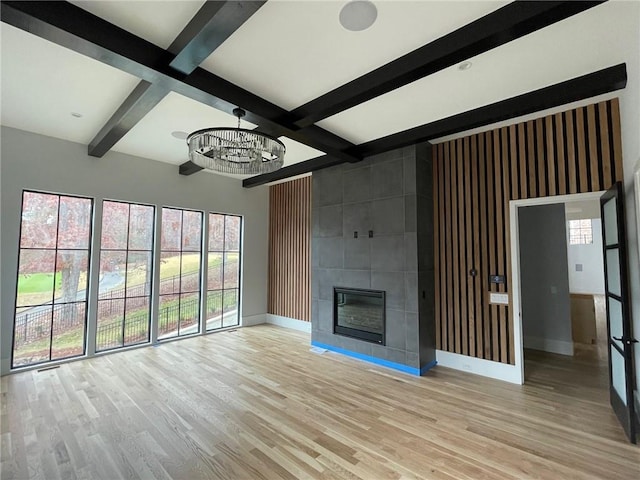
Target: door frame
<point x="516" y="300"/>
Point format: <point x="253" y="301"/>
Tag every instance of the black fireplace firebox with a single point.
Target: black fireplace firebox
<point x="359" y="314"/>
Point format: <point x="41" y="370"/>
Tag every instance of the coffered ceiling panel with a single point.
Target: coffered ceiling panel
<point x="156" y="22"/>
<point x="43" y="84"/>
<point x="291" y="52"/>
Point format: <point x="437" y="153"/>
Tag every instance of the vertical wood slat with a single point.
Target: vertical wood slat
<point x="461" y="241"/>
<point x="617" y="139"/>
<point x="570" y="152"/>
<point x="493" y="150"/>
<point x="605" y="158"/>
<point x="436" y="244"/>
<point x="560" y="157"/>
<point x="449" y="232"/>
<point x="289" y="289"/>
<point x="531" y="156"/>
<point x="542" y="170"/>
<point x="476" y="287"/>
<point x="484" y="232"/>
<point x="471" y="335"/>
<point x="503" y="230"/>
<point x="593" y="148"/>
<point x="583" y="169"/>
<point x="522" y="161"/>
<point x="551" y="159"/>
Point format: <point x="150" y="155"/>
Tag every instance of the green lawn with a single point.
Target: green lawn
<point x="38" y="282"/>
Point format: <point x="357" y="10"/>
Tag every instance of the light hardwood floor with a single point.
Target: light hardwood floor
<point x="257" y="404"/>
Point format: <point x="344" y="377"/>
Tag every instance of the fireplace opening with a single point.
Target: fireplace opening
<point x="359" y="314"/>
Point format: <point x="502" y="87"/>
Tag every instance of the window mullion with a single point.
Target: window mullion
<point x="94" y="280"/>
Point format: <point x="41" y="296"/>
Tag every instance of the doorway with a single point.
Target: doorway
<point x="561" y="341"/>
<point x="619" y="335"/>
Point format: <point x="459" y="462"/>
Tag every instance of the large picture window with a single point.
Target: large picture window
<point x="53" y="272"/>
<point x="53" y="277"/>
<point x="180" y="259"/>
<point x="126" y="259"/>
<point x="223" y="259"/>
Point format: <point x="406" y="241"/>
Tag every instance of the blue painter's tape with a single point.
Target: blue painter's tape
<point x="377" y="361"/>
<point x="427" y="367"/>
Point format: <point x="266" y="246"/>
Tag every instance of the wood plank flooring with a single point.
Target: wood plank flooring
<point x="256" y="403"/>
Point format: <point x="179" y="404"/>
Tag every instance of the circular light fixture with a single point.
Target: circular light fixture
<point x="180" y="135"/>
<point x="358" y="15"/>
<point x="76" y="114"/>
<point x="236" y="150"/>
<point x="465" y="66"/>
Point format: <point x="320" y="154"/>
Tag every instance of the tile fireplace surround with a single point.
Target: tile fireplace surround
<point x="373" y="229"/>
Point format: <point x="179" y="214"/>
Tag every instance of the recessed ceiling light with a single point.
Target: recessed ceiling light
<point x="465" y="66"/>
<point x="179" y="135"/>
<point x="76" y="114"/>
<point x="358" y="15"/>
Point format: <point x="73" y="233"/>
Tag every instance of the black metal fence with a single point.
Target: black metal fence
<point x="51" y="319"/>
<point x="41" y="322"/>
<point x="136" y="330"/>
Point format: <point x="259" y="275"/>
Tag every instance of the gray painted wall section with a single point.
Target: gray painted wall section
<point x="378" y="194"/>
<point x="544" y="280"/>
<point x="31" y="161"/>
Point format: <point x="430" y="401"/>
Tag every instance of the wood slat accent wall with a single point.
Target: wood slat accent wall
<point x="289" y="291"/>
<point x="475" y="177"/>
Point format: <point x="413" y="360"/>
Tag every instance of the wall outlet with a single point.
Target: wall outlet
<point x="578" y="267"/>
<point x="499" y="298"/>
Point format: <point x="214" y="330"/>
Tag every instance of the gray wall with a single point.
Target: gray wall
<point x="378" y="194"/>
<point x="544" y="280"/>
<point x="31" y="161"/>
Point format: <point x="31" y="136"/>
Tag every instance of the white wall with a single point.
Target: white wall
<point x="31" y="161"/>
<point x="591" y="279"/>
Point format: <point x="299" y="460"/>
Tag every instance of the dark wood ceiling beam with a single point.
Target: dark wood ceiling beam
<point x="80" y="31"/>
<point x="214" y="23"/>
<point x="301" y="168"/>
<point x="140" y="101"/>
<point x="580" y="88"/>
<point x="586" y="86"/>
<point x="506" y="24"/>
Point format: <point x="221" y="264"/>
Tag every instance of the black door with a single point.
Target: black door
<point x="620" y="338"/>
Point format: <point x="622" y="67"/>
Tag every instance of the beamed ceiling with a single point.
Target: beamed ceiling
<point x="138" y="71"/>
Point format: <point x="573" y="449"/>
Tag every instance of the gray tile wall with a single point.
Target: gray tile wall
<point x="390" y="194"/>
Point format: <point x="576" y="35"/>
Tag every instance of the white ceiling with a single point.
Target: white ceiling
<point x="307" y="53"/>
<point x="576" y="46"/>
<point x="42" y="84"/>
<point x="289" y="53"/>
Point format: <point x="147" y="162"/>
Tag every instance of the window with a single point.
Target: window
<point x="52" y="294"/>
<point x="180" y="258"/>
<point x="580" y="232"/>
<point x="124" y="291"/>
<point x="223" y="259"/>
<point x="53" y="273"/>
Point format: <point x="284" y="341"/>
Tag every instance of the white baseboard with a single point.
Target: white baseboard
<point x="254" y="320"/>
<point x="287" y="322"/>
<point x="548" y="345"/>
<point x="479" y="366"/>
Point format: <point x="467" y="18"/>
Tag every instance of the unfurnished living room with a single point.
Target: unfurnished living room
<point x="334" y="239"/>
